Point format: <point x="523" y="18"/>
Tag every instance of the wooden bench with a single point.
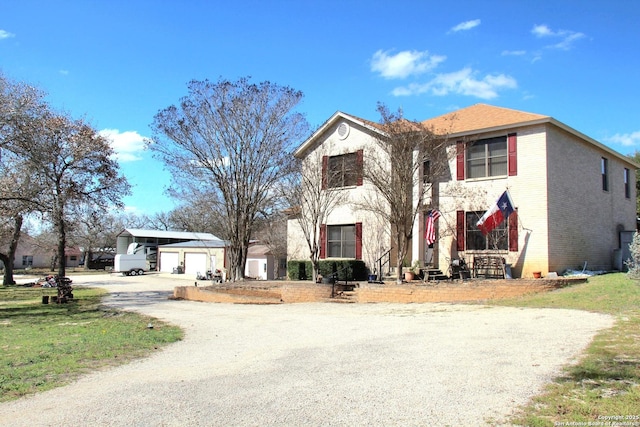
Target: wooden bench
<point x="489" y="267"/>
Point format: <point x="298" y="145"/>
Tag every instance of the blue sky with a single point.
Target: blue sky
<point x="118" y="62"/>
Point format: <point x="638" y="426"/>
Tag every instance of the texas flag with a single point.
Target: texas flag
<point x="498" y="213"/>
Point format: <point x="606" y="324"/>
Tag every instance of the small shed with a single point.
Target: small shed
<point x="260" y="263"/>
<point x="193" y="257"/>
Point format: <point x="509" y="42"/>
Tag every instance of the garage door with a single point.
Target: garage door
<point x="168" y="261"/>
<point x="195" y="263"/>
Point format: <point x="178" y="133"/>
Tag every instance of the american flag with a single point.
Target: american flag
<point x="430" y="227"/>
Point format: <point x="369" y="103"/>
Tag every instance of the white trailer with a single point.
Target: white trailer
<point x="133" y="263"/>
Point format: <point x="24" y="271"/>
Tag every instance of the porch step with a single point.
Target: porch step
<point x="343" y="297"/>
<point x="435" y="274"/>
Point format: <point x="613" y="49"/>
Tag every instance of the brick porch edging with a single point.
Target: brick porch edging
<point x="414" y="292"/>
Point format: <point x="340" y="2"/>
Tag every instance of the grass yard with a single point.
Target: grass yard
<point x="605" y="386"/>
<point x="43" y="346"/>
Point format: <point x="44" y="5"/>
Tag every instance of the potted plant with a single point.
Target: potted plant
<point x="373" y="276"/>
<point x="413" y="271"/>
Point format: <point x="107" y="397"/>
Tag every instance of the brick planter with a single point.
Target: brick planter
<point x="415" y="292"/>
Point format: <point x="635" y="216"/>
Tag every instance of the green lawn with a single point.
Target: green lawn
<point x="606" y="382"/>
<point x="43" y="346"/>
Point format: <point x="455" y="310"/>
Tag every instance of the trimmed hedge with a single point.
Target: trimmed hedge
<point x="299" y="270"/>
<point x="354" y="270"/>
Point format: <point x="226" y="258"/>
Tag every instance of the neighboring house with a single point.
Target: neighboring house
<point x="193" y="257"/>
<point x="29" y="255"/>
<point x="575" y="198"/>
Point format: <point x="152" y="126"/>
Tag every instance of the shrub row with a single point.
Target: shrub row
<point x="345" y="269"/>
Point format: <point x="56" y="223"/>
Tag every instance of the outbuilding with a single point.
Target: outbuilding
<point x="261" y="263"/>
<point x="153" y="239"/>
<point x="194" y="257"/>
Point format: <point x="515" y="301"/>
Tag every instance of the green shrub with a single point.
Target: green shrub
<point x="634" y="262"/>
<point x="346" y="269"/>
<point x="299" y="270"/>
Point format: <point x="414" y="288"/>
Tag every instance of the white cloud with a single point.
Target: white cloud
<point x="514" y="52"/>
<point x="462" y="82"/>
<point x="567" y="37"/>
<point x="541" y="31"/>
<point x="64" y="72"/>
<point x="625" y="139"/>
<point x="464" y="26"/>
<point x="6" y="35"/>
<point x="127" y="145"/>
<point x="404" y="64"/>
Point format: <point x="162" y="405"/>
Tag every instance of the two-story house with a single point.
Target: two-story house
<point x="575" y="198"/>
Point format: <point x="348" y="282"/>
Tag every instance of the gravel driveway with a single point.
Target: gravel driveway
<point x="318" y="364"/>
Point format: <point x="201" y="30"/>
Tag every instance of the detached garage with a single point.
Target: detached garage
<point x="169" y="261"/>
<point x="196" y="256"/>
<point x="195" y="262"/>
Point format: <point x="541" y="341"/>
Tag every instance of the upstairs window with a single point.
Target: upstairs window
<point x="426" y="171"/>
<point x="487" y="157"/>
<point x="344" y="170"/>
<point x="627" y="184"/>
<point x="604" y="167"/>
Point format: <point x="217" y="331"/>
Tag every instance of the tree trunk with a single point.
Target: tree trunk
<point x="62" y="243"/>
<point x="8" y="270"/>
<point x="88" y="256"/>
<point x="237" y="258"/>
<point x="9" y="258"/>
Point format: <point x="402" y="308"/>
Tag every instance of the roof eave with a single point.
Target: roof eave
<point x="499" y="128"/>
<point x="598" y="144"/>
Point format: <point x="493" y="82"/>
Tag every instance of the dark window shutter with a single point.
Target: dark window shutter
<point x="460" y="160"/>
<point x="460" y="231"/>
<point x="513" y="231"/>
<point x="323" y="241"/>
<point x="358" y="240"/>
<point x="359" y="167"/>
<point x="513" y="154"/>
<point x="325" y="165"/>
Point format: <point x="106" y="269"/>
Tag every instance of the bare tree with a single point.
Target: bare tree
<point x="408" y="158"/>
<point x="231" y="141"/>
<point x="312" y="202"/>
<point x="94" y="231"/>
<point x="73" y="165"/>
<point x="21" y="106"/>
<point x="198" y="214"/>
<point x="162" y="221"/>
<point x="51" y="163"/>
